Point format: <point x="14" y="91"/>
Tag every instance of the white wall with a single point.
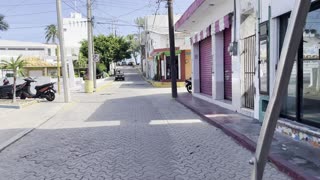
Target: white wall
<point x="75" y="30"/>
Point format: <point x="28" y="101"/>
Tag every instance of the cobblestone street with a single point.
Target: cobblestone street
<point x="128" y="131"/>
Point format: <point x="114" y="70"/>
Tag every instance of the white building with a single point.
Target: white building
<point x="12" y="49"/>
<point x="75" y="31"/>
<point x="156" y="39"/>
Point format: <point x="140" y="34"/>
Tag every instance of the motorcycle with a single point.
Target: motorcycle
<point x="5" y="81"/>
<point x="6" y="91"/>
<point x="188" y="84"/>
<point x="46" y="91"/>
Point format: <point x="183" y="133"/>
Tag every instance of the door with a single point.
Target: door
<point x="205" y="47"/>
<point x="35" y="73"/>
<point x="249" y="70"/>
<point x="227" y="65"/>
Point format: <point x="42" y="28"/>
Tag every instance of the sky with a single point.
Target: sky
<point x="28" y="18"/>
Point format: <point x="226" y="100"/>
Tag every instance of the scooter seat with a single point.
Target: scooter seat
<point x="43" y="85"/>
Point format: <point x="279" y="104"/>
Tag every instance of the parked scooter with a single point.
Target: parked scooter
<point x="5" y="81"/>
<point x="6" y="91"/>
<point x="44" y="91"/>
<point x="188" y="84"/>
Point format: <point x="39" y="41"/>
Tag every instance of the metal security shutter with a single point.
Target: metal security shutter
<point x="205" y="47"/>
<point x="227" y="65"/>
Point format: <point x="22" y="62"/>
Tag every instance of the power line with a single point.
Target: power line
<point x="31" y="4"/>
<point x="73" y="8"/>
<point x="155" y="16"/>
<point x="133" y="11"/>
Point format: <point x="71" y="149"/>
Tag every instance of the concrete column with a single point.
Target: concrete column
<point x="195" y="68"/>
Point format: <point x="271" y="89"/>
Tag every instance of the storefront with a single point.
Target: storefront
<point x="302" y="101"/>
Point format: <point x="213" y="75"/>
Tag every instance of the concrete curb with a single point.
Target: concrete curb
<point x="20" y="105"/>
<point x="283" y="165"/>
<point x="103" y="87"/>
<point x="157" y="84"/>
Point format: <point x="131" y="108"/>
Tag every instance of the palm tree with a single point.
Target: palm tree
<point x="134" y="46"/>
<point x="16" y="65"/>
<point x="3" y="24"/>
<point x="51" y="33"/>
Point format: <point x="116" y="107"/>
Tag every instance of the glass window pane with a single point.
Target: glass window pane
<point x="289" y="103"/>
<point x="311" y="68"/>
<point x="263" y="66"/>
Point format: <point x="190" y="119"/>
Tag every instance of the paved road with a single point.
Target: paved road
<point x="129" y="131"/>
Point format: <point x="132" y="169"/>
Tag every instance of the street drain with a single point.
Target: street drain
<point x="105" y="94"/>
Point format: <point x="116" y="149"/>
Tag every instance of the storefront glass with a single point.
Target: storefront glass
<point x="311" y="68"/>
<point x="302" y="102"/>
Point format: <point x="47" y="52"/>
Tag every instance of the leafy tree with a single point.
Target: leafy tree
<point x="101" y="68"/>
<point x="139" y="22"/>
<point x="3" y="24"/>
<point x="134" y="46"/>
<point x="110" y="48"/>
<point x="17" y="66"/>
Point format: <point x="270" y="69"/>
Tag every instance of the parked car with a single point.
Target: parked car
<point x="130" y="64"/>
<point x="119" y="76"/>
<point x="123" y="63"/>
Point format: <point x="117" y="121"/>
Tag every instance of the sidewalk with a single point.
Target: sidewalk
<point x="16" y="123"/>
<point x="298" y="160"/>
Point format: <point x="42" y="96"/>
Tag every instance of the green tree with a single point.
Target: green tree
<point x="134" y="46"/>
<point x="110" y="48"/>
<point x="17" y="66"/>
<point x="51" y="33"/>
<point x="139" y="22"/>
<point x="3" y="24"/>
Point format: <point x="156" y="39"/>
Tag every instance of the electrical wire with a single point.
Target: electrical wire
<point x="155" y="16"/>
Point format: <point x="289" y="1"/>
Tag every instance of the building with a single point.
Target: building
<point x="75" y="30"/>
<point x="215" y="68"/>
<point x="12" y="49"/>
<point x="156" y="43"/>
<point x="235" y="53"/>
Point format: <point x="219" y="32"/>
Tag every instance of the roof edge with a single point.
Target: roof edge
<point x="188" y="13"/>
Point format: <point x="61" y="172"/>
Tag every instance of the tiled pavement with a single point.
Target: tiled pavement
<point x="298" y="159"/>
<point x="129" y="131"/>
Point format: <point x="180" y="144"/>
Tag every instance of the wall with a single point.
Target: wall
<point x="75" y="30"/>
<point x="188" y="64"/>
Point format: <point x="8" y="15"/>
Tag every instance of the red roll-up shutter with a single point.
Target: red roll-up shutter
<point x="227" y="65"/>
<point x="205" y="47"/>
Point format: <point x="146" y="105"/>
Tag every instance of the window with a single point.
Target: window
<point x="36" y="49"/>
<point x="264" y="59"/>
<point x="303" y="95"/>
<point x="49" y="52"/>
<point x="15" y="49"/>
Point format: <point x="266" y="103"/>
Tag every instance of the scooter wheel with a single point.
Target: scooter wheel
<point x="22" y="96"/>
<point x="50" y="96"/>
<point x="189" y="89"/>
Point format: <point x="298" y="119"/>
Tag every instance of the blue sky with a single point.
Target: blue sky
<point x="28" y="18"/>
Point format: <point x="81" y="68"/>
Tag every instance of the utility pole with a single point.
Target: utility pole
<point x="89" y="82"/>
<point x="289" y="51"/>
<point x="141" y="60"/>
<point x="172" y="52"/>
<point x="63" y="62"/>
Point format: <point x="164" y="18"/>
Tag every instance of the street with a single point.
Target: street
<point x="130" y="130"/>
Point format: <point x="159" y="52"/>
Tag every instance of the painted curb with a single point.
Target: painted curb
<point x="20" y="105"/>
<point x="103" y="87"/>
<point x="281" y="164"/>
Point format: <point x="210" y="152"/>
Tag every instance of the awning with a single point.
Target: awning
<point x="167" y="53"/>
<point x="222" y="23"/>
<point x="201" y="35"/>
